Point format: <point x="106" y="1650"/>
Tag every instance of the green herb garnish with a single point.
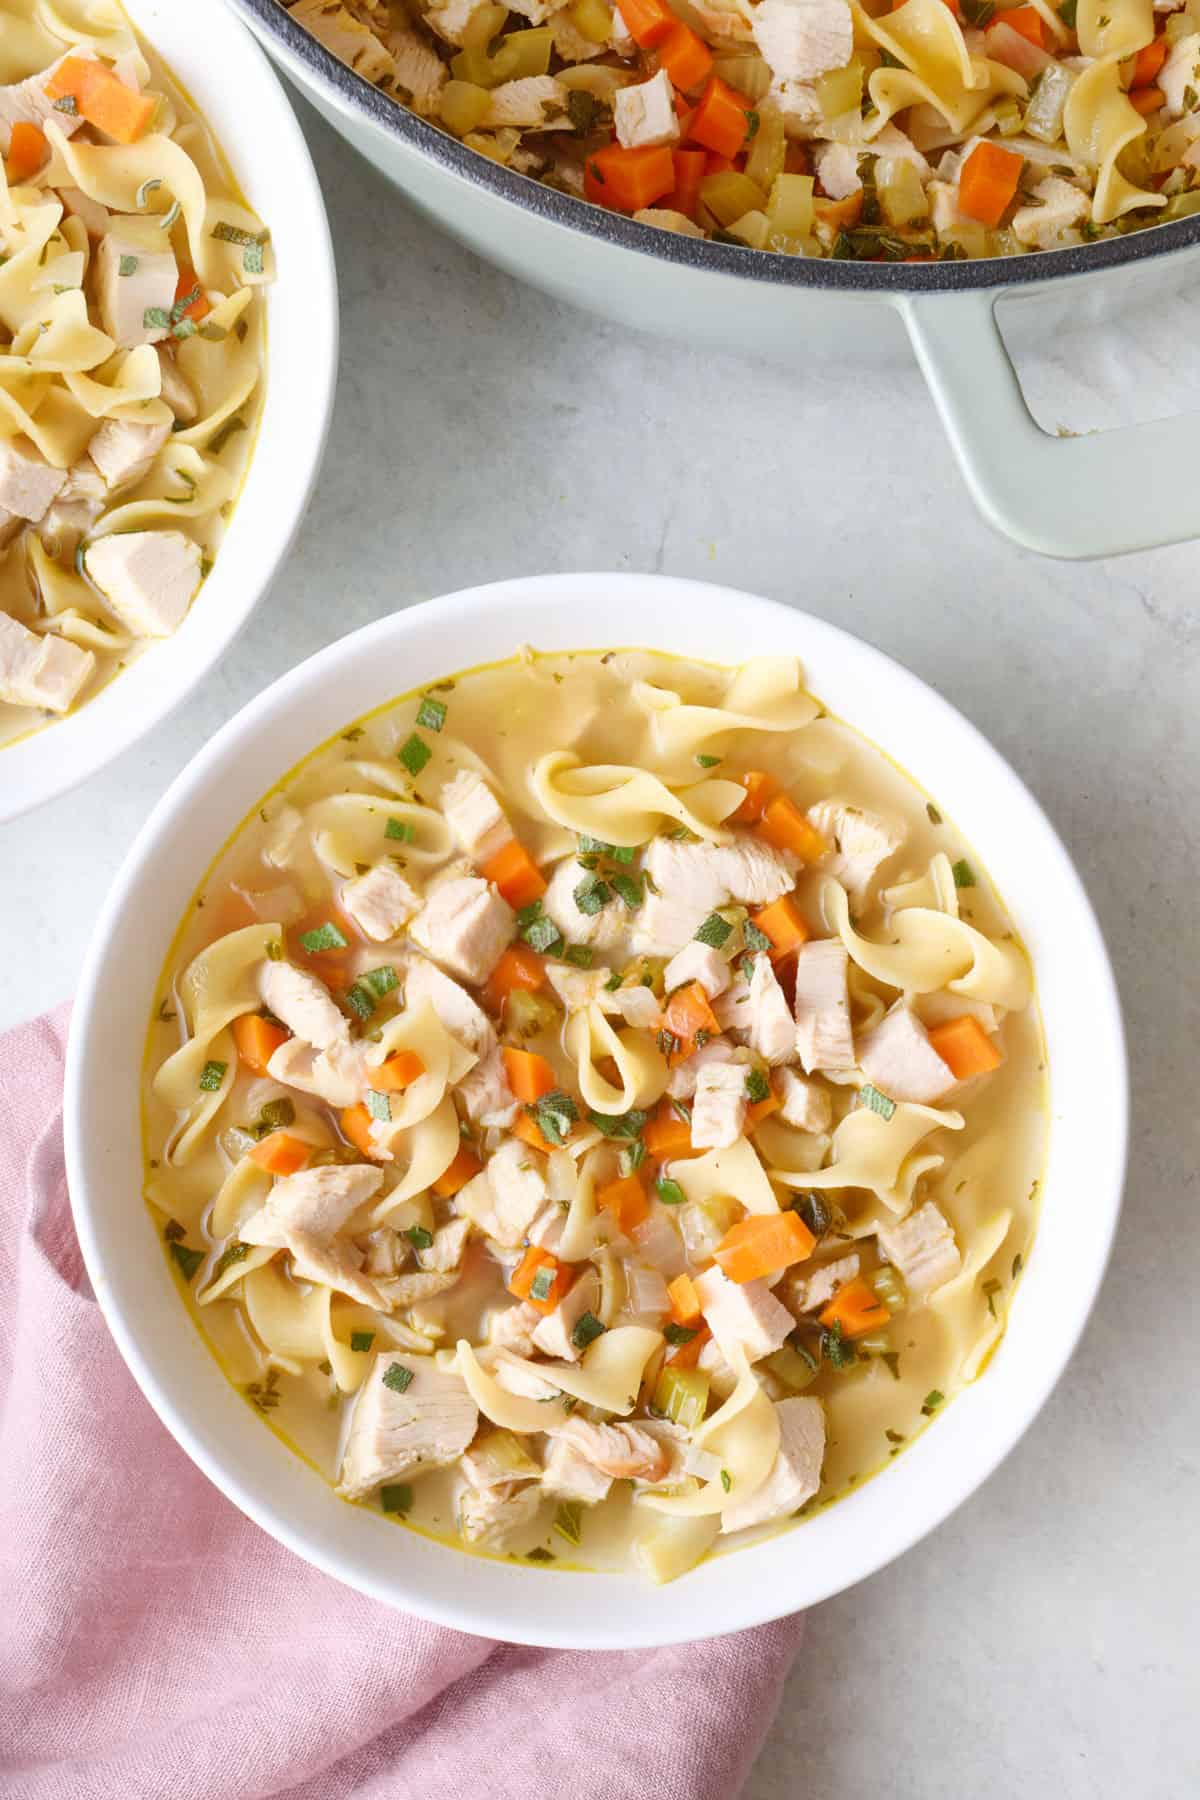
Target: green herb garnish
<point x="587" y="1331"/>
<point x="726" y="1480"/>
<point x="632" y="1157"/>
<point x="935" y="817"/>
<point x="679" y="1334"/>
<point x="619" y="1125"/>
<point x="708" y="762"/>
<point x="834" y="1348"/>
<point x="592" y="894"/>
<point x="554" y="1114"/>
<point x="870" y="1096"/>
<point x="156" y="318"/>
<point x="579" y="954"/>
<point x="757" y="1086"/>
<point x="933" y="1399"/>
<point x="964" y="874"/>
<point x="173" y="1231"/>
<point x="396" y="1497"/>
<point x="211" y="1077"/>
<point x="399" y="829"/>
<point x="584" y="112"/>
<point x="379" y="1105"/>
<point x="127" y="265"/>
<point x="543" y="1281"/>
<point x="755" y="940"/>
<point x="539" y="1553"/>
<point x="414" y="753"/>
<point x="235" y="1252"/>
<point x="361" y="1340"/>
<point x="323" y="937"/>
<point x="221" y="437"/>
<point x="189" y="1260"/>
<point x="253" y="261"/>
<point x="568" y="1521"/>
<point x="432" y="714"/>
<point x="418" y="1237"/>
<point x="627" y="888"/>
<point x="398" y="1378"/>
<point x="1067" y="13"/>
<point x="669" y="1192"/>
<point x="714" y="932"/>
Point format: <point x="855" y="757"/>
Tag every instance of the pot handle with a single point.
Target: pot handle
<point x="1099" y="494"/>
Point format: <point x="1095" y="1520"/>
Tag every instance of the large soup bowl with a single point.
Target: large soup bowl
<point x="286" y="1496"/>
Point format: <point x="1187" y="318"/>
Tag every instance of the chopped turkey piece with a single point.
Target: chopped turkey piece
<point x="1179" y="77"/>
<point x="804" y="1293"/>
<point x="27" y="102"/>
<point x="512" y="1328"/>
<point x="123" y="450"/>
<point x="602" y="929"/>
<point x="302" y="1003"/>
<point x="794" y="1476"/>
<point x="455" y="1008"/>
<point x="78" y="205"/>
<point x="804" y="1103"/>
<point x="684" y="1077"/>
<point x="689" y="881"/>
<point x="719" y="1108"/>
<point x="474" y="815"/>
<point x="569" y="1476"/>
<point x="177" y="391"/>
<point x="485" y="1093"/>
<point x="149" y="578"/>
<point x="712" y="1361"/>
<point x="553" y="1334"/>
<point x="772" y="1030"/>
<point x="898" y="1058"/>
<point x="66" y="524"/>
<point x="1061" y="205"/>
<point x="420" y="73"/>
<point x="506" y="1197"/>
<point x="801" y="39"/>
<point x="824" y="1036"/>
<point x="41" y="670"/>
<point x="380" y="901"/>
<point x="537" y="102"/>
<point x="637" y="1005"/>
<point x="404" y="1426"/>
<point x="28" y="484"/>
<point x="446" y="1251"/>
<point x="331" y="1261"/>
<point x="623" y="1451"/>
<point x="410" y="1290"/>
<point x="837" y="168"/>
<point x="517" y="1377"/>
<point x="861" y="841"/>
<point x="742" y="1315"/>
<point x="465" y="925"/>
<point x="922" y="1248"/>
<point x="577" y="988"/>
<point x="489" y="1516"/>
<point x="321" y="1200"/>
<point x="451" y="19"/>
<point x="547" y="1229"/>
<point x="350" y="40"/>
<point x="135" y="307"/>
<point x="336" y="1075"/>
<point x="733" y="1010"/>
<point x="644" y="113"/>
<point x="491" y="1462"/>
<point x="698" y="962"/>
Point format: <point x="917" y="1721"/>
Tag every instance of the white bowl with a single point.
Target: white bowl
<point x="226" y="75"/>
<point x="1082" y="1183"/>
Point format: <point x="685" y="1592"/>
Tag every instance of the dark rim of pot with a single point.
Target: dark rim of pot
<point x="351" y="90"/>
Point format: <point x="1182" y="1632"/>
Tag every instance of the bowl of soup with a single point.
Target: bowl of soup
<point x="165" y="387"/>
<point x="605" y="1146"/>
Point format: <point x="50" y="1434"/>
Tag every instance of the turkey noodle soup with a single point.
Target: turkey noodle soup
<point x="131" y="354"/>
<point x="595" y="1109"/>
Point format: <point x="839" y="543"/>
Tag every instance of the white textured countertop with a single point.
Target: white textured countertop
<point x="1044" y="1641"/>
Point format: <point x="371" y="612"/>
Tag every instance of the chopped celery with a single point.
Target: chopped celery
<point x="525" y="53"/>
<point x="729" y="195"/>
<point x="877" y="1344"/>
<point x="790" y="208"/>
<point x="768" y="148"/>
<point x="477" y="68"/>
<point x="745" y="71"/>
<point x="1182" y="206"/>
<point x="1008" y="117"/>
<point x="703" y="1223"/>
<point x="667" y="1547"/>
<point x="1047" y="103"/>
<point x="888" y="1283"/>
<point x="796" y="1367"/>
<point x="681" y="1395"/>
<point x="592" y="20"/>
<point x="612" y="1285"/>
<point x="753" y="228"/>
<point x="501" y="1454"/>
<point x="463" y="106"/>
<point x="900" y="190"/>
<point x="482" y="26"/>
<point x="527" y="1013"/>
<point x="841" y="91"/>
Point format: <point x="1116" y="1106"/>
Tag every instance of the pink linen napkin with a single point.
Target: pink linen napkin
<point x="153" y="1642"/>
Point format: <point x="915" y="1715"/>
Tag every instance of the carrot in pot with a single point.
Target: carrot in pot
<point x="27" y="151"/>
<point x="400" y="1070"/>
<point x="839" y="215"/>
<point x="785" y="827"/>
<point x="856" y="1308"/>
<point x="685" y="1301"/>
<point x="1029" y="22"/>
<point x="355" y="1122"/>
<point x="520" y="968"/>
<point x="189" y="289"/>
<point x="762" y="1109"/>
<point x="102" y="98"/>
<point x="666" y="1135"/>
<point x="465" y="1165"/>
<point x="965" y="1047"/>
<point x="1145" y="100"/>
<point x="526" y="1127"/>
<point x="648" y="22"/>
<point x="722" y="121"/>
<point x="513" y="871"/>
<point x="529" y="1075"/>
<point x="687" y="59"/>
<point x="762" y="1244"/>
<point x="784" y="924"/>
<point x="257" y="1040"/>
<point x="987" y="182"/>
<point x="280" y="1154"/>
<point x="760" y="787"/>
<point x="686" y="1016"/>
<point x="686" y="1356"/>
<point x="626" y="1200"/>
<point x="1148" y="62"/>
<point x="540" y="1279"/>
<point x="689" y="173"/>
<point x="628" y="180"/>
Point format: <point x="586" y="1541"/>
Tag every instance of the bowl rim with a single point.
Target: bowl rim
<point x="524" y="1618"/>
<point x="310" y="62"/>
<point x="87" y="740"/>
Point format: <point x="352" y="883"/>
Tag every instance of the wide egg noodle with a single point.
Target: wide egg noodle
<point x="931" y="950"/>
<point x="620" y="804"/>
<point x="432" y="1146"/>
<point x="256" y="1257"/>
<point x="744" y="1434"/>
<point x="934" y="889"/>
<point x="117" y="174"/>
<point x="1099" y="122"/>
<point x="120" y="387"/>
<point x="96" y="25"/>
<point x="608" y="1376"/>
<point x="875" y="1153"/>
<point x="736" y="1171"/>
<point x="1114" y="28"/>
<point x="935" y="67"/>
<point x="419" y="1031"/>
<point x="579" y="1228"/>
<point x="181" y="484"/>
<point x="961" y="1306"/>
<point x="765" y="694"/>
<point x="350" y="828"/>
<point x="589" y="1039"/>
<point x="243" y="1191"/>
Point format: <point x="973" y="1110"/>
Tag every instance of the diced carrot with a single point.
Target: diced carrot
<point x="785" y="827"/>
<point x="760" y="787"/>
<point x="515" y="873"/>
<point x="648" y="21"/>
<point x="784" y="924"/>
<point x="280" y="1154"/>
<point x="102" y="99"/>
<point x="465" y="1165"/>
<point x="718" y="165"/>
<point x="519" y="968"/>
<point x="839" y="215"/>
<point x="330" y="964"/>
<point x="689" y="173"/>
<point x="529" y="1075"/>
<point x="257" y="1040"/>
<point x="685" y="1301"/>
<point x="27" y="151"/>
<point x="965" y="1047"/>
<point x="686" y="1356"/>
<point x="762" y="1109"/>
<point x="626" y="1200"/>
<point x="666" y="1135"/>
<point x="550" y="1289"/>
<point x="688" y="61"/>
<point x="1148" y="62"/>
<point x="855" y="1307"/>
<point x="686" y="1016"/>
<point x="763" y="1243"/>
<point x="1146" y="100"/>
<point x="1029" y="22"/>
<point x="987" y="182"/>
<point x="400" y="1070"/>
<point x="722" y="121"/>
<point x="526" y="1127"/>
<point x="628" y="180"/>
<point x="356" y="1129"/>
<point x="197" y="309"/>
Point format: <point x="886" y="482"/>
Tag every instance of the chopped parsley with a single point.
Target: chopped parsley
<point x="619" y="1125"/>
<point x="432" y="714"/>
<point x="568" y="1521"/>
<point x="538" y="931"/>
<point x="669" y="1192"/>
<point x="418" y="1237"/>
<point x="379" y="1106"/>
<point x="726" y="1480"/>
<point x="400" y="830"/>
<point x="755" y="939"/>
<point x="188" y="1260"/>
<point x="211" y="1077"/>
<point x="627" y="888"/>
<point x="398" y="1378"/>
<point x="592" y="894"/>
<point x="323" y="937"/>
<point x="543" y="1281"/>
<point x="587" y="1331"/>
<point x="708" y="762"/>
<point x="964" y="874"/>
<point x="933" y="1399"/>
<point x="235" y="1252"/>
<point x="757" y="1086"/>
<point x="679" y="1334"/>
<point x="156" y="318"/>
<point x="876" y="1102"/>
<point x="554" y="1114"/>
<point x="396" y="1497"/>
<point x="361" y="1340"/>
<point x="935" y="817"/>
<point x="714" y="932"/>
<point x="127" y="265"/>
<point x="834" y="1348"/>
<point x="579" y="954"/>
<point x="414" y="753"/>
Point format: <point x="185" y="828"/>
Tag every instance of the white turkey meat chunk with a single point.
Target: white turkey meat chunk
<point x="824" y="1036"/>
<point x="466" y="926"/>
<point x="149" y="578"/>
<point x="698" y="962"/>
<point x="409" y="1416"/>
<point x="302" y="1003"/>
<point x="461" y="1016"/>
<point x="719" y="1106"/>
<point x="177" y="391"/>
<point x="644" y="113"/>
<point x="625" y="1452"/>
<point x="681" y="1084"/>
<point x="122" y="450"/>
<point x="742" y="1315"/>
<point x="771" y="1032"/>
<point x="28" y="484"/>
<point x="922" y="1247"/>
<point x="336" y="1075"/>
<point x="320" y="1201"/>
<point x="569" y="1476"/>
<point x="804" y="1103"/>
<point x="805" y="1293"/>
<point x="135" y="306"/>
<point x="898" y="1058"/>
<point x="41" y="670"/>
<point x="603" y="928"/>
<point x="475" y="817"/>
<point x="380" y="901"/>
<point x="689" y="881"/>
<point x="489" y="1516"/>
<point x="553" y="1333"/>
<point x="533" y="102"/>
<point x="512" y="1328"/>
<point x="861" y="840"/>
<point x="504" y="1198"/>
<point x="485" y="1093"/>
<point x="27" y="103"/>
<point x="801" y="39"/>
<point x="794" y="1476"/>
